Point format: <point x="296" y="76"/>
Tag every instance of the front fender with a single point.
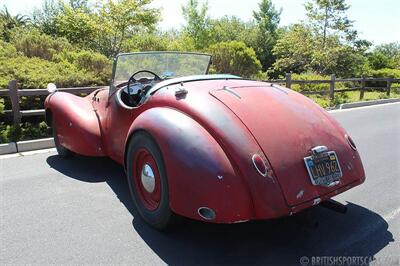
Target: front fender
<point x="76" y="123"/>
<point x="199" y="172"/>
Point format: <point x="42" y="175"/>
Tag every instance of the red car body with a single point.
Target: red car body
<point x="208" y="136"/>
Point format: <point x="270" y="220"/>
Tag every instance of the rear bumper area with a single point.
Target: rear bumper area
<point x="316" y="201"/>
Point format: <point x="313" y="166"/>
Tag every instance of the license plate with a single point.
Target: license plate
<point x="323" y="169"/>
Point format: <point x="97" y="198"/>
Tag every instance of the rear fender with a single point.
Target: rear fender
<point x="199" y="172"/>
<point x="76" y="123"/>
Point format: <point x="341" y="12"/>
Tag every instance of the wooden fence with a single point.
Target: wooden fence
<point x="332" y="85"/>
<point x="14" y="93"/>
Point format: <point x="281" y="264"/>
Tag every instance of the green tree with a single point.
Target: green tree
<point x="119" y="20"/>
<point x="235" y="58"/>
<point x="79" y="5"/>
<point x="340" y="59"/>
<point x="147" y="42"/>
<point x="389" y="49"/>
<point x="298" y="51"/>
<point x="379" y="60"/>
<point x="8" y="23"/>
<point x="45" y="18"/>
<point x="197" y="23"/>
<point x="226" y="29"/>
<point x="105" y="27"/>
<point x="385" y="56"/>
<point x="325" y="15"/>
<point x="77" y="26"/>
<point x="267" y="19"/>
<point x="294" y="51"/>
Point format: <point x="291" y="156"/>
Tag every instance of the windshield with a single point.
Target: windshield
<point x="164" y="64"/>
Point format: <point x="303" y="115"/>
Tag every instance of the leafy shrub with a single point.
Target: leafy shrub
<point x="9" y="133"/>
<point x="385" y="73"/>
<point x="183" y="43"/>
<point x="396" y="61"/>
<point x="24" y="131"/>
<point x="318" y="86"/>
<point x="35" y="131"/>
<point x="261" y="76"/>
<point x="382" y="73"/>
<point x="7" y="50"/>
<point x="235" y="58"/>
<point x="310" y="87"/>
<point x="33" y="73"/>
<point x="321" y="100"/>
<point x="378" y="60"/>
<point x="1" y="105"/>
<point x="147" y="42"/>
<point x="87" y="61"/>
<point x="32" y="43"/>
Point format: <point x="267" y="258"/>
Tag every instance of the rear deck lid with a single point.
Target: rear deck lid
<point x="287" y="126"/>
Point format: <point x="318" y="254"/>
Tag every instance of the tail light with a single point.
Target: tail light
<point x="260" y="165"/>
<point x="351" y="142"/>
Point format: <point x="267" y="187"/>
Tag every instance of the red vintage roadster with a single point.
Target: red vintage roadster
<point x="216" y="148"/>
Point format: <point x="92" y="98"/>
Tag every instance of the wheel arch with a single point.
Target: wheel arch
<point x="129" y="138"/>
<point x="199" y="171"/>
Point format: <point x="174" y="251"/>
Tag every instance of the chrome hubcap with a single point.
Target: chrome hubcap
<point x="148" y="180"/>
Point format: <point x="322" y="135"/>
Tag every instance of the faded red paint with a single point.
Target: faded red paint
<point x="213" y="133"/>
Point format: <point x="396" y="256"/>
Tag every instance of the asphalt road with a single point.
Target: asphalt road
<point x="78" y="211"/>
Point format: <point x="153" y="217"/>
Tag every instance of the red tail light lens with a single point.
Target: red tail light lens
<point x="260" y="165"/>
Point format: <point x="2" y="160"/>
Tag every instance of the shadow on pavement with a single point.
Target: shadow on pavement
<point x="360" y="232"/>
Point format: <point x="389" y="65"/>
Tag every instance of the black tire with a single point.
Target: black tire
<point x="162" y="217"/>
<point x="61" y="150"/>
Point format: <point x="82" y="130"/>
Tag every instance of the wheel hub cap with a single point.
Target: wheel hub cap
<point x="147" y="178"/>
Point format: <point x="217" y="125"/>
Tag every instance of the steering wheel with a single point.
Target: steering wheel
<point x="134" y="99"/>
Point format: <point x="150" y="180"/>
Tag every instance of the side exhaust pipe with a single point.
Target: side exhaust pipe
<point x="334" y="206"/>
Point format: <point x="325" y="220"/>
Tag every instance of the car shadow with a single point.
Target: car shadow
<point x="360" y="232"/>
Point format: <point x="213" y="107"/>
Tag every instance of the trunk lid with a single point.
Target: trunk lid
<point x="287" y="126"/>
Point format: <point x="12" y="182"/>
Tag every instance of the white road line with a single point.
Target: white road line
<point x="390" y="216"/>
<point x="362" y="107"/>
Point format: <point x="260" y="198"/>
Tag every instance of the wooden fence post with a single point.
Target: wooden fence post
<point x="332" y="87"/>
<point x="362" y="88"/>
<point x="288" y="80"/>
<point x="13" y="90"/>
<point x="388" y="84"/>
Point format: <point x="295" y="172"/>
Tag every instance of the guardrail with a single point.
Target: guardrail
<point x="14" y="93"/>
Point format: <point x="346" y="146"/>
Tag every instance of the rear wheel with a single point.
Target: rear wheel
<point x="61" y="150"/>
<point x="148" y="182"/>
